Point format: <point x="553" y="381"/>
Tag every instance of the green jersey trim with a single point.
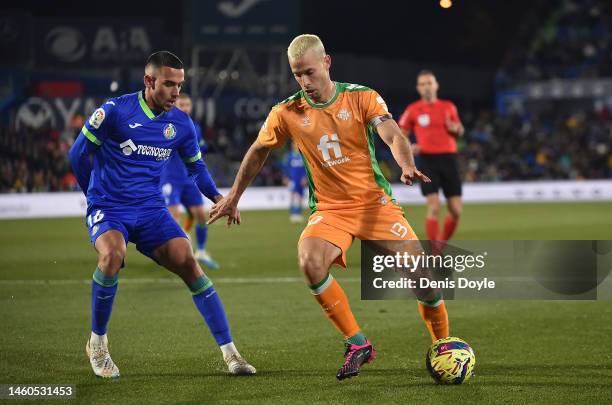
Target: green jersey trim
<point x="350" y="87"/>
<point x="193" y="158"/>
<point x="91" y="136"/>
<point x="379" y="177"/>
<point x="145" y="107"/>
<point x="324" y="105"/>
<point x="294" y="97"/>
<point x="312" y="196"/>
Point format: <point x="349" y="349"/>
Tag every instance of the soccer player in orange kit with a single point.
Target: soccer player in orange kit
<point x="334" y="124"/>
<point x="436" y="125"/>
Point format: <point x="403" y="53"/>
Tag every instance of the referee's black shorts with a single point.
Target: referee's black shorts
<point x="443" y="170"/>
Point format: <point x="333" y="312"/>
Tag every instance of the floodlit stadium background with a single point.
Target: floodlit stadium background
<point x="532" y="82"/>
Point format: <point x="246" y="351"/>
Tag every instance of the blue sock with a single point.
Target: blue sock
<point x="201" y="234"/>
<point x="209" y="304"/>
<point x="103" y="290"/>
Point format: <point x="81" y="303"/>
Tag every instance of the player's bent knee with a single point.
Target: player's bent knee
<point x="311" y="264"/>
<point x="110" y="260"/>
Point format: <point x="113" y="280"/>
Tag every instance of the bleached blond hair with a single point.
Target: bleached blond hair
<point x="302" y="43"/>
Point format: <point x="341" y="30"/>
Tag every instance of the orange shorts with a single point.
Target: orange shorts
<point x="340" y="227"/>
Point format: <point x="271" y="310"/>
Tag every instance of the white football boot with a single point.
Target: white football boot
<point x="99" y="357"/>
<point x="237" y="365"/>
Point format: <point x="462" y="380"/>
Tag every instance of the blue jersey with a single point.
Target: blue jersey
<point x="131" y="147"/>
<point x="294" y="168"/>
<point x="176" y="172"/>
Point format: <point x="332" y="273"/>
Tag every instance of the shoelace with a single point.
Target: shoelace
<point x="235" y="358"/>
<point x="102" y="358"/>
<point x="348" y="355"/>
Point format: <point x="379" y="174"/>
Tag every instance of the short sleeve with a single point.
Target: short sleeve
<point x="189" y="149"/>
<point x="373" y="106"/>
<point x="453" y="113"/>
<point x="100" y="124"/>
<point x="406" y="121"/>
<point x="272" y="134"/>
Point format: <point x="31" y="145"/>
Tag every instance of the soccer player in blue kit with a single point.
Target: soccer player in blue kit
<point x="295" y="174"/>
<point x="118" y="158"/>
<point x="178" y="188"/>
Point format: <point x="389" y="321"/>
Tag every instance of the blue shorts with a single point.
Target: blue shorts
<point x="187" y="194"/>
<point x="147" y="228"/>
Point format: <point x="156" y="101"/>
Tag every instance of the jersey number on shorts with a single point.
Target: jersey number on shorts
<point x="399" y="230"/>
<point x="95" y="218"/>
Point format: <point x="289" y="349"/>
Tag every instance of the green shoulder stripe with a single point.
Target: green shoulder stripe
<point x="193" y="158"/>
<point x="91" y="136"/>
<point x="350" y="87"/>
<point x="294" y="97"/>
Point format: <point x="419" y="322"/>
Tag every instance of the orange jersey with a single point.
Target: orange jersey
<point x="428" y="122"/>
<point x="336" y="140"/>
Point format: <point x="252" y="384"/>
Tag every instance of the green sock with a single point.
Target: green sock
<point x="358" y="339"/>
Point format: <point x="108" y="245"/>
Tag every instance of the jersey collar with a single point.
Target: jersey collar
<point x="145" y="108"/>
<point x="324" y="105"/>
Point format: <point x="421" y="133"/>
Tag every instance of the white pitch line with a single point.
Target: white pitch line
<point x="220" y="280"/>
<point x="233" y="280"/>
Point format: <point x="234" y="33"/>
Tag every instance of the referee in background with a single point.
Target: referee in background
<point x="436" y="126"/>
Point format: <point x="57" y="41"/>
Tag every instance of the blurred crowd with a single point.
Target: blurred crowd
<point x="540" y="142"/>
<point x="546" y="145"/>
<point x="532" y="146"/>
<point x="573" y="41"/>
<point x="35" y="161"/>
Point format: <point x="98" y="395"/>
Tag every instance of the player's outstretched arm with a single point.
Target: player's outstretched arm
<point x="80" y="160"/>
<point x="392" y="135"/>
<point x="198" y="171"/>
<point x="251" y="165"/>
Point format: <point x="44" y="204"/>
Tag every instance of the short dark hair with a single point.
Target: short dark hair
<point x="164" y="58"/>
<point x="425" y="72"/>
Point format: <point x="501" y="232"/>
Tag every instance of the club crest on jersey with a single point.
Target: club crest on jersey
<point x="169" y="131"/>
<point x="344" y="114"/>
<point x="97" y="117"/>
<point x="423" y="120"/>
<point x="305" y="121"/>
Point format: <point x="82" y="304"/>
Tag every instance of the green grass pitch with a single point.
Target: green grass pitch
<point x="526" y="351"/>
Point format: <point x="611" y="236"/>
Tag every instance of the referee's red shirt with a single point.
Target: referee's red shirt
<point x="428" y="122"/>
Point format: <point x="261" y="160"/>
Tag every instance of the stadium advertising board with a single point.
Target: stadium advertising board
<point x="233" y="23"/>
<point x="90" y="42"/>
<point x="41" y="205"/>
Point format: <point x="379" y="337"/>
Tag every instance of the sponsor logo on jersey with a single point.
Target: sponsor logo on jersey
<point x="331" y="142"/>
<point x="344" y="114"/>
<point x="158" y="153"/>
<point x="128" y="147"/>
<point x="423" y="120"/>
<point x="97" y="118"/>
<point x="169" y="131"/>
